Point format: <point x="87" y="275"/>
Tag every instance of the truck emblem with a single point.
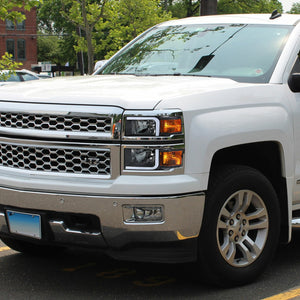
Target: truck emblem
<point x="92" y="161"/>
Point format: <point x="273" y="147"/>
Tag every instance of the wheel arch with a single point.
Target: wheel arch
<point x="266" y="157"/>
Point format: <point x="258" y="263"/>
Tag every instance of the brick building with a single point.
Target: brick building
<point x="20" y="39"/>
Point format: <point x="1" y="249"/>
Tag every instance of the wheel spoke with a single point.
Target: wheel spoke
<point x="254" y="248"/>
<point x="222" y="224"/>
<point x="225" y="213"/>
<point x="248" y="254"/>
<point x="259" y="213"/>
<point x="246" y="201"/>
<point x="263" y="224"/>
<point x="231" y="253"/>
<point x="228" y="250"/>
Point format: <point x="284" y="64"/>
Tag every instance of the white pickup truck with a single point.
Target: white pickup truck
<point x="183" y="147"/>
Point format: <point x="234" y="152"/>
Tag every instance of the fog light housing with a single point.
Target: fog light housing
<point x="143" y="214"/>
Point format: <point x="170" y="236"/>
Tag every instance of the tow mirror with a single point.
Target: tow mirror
<point x="294" y="82"/>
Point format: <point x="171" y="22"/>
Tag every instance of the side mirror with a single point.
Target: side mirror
<point x="294" y="82"/>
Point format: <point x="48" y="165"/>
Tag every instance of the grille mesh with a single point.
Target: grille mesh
<point x="55" y="123"/>
<point x="78" y="161"/>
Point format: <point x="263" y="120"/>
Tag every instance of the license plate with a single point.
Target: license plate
<point x="24" y="224"/>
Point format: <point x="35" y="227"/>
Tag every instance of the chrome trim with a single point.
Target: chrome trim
<point x="66" y="235"/>
<point x="183" y="214"/>
<point x="153" y="114"/>
<point x="128" y="218"/>
<point x="63" y="110"/>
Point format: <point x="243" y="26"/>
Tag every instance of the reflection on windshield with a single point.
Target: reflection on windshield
<point x="242" y="52"/>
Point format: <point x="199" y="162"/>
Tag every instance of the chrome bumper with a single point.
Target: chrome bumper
<point x="182" y="217"/>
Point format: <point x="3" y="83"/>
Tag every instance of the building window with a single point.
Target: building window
<point x="21" y="49"/>
<point x="21" y="25"/>
<point x="10" y="47"/>
<point x="9" y="25"/>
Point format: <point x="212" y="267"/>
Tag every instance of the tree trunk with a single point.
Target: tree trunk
<point x="90" y="51"/>
<point x="208" y="7"/>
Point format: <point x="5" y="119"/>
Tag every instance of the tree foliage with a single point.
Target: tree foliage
<point x="295" y="8"/>
<point x="126" y="19"/>
<point x="8" y="9"/>
<point x="248" y="6"/>
<point x="7" y="63"/>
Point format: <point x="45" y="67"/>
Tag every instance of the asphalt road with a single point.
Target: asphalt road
<point x="90" y="275"/>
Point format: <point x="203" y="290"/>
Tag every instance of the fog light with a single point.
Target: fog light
<point x="171" y="159"/>
<point x="142" y="214"/>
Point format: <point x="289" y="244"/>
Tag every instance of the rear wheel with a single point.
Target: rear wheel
<point x="241" y="226"/>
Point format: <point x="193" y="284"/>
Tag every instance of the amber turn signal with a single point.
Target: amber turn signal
<point x="171" y="158"/>
<point x="170" y="126"/>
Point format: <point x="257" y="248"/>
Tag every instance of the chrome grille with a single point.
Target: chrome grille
<point x="80" y="123"/>
<point x="54" y="159"/>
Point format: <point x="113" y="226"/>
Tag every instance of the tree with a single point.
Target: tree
<point x="126" y="19"/>
<point x="55" y="40"/>
<point x="295" y="8"/>
<point x="84" y="14"/>
<point x="248" y="6"/>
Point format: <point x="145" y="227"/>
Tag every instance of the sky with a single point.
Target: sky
<point x="287" y="4"/>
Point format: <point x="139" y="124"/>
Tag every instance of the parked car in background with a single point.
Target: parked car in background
<point x="99" y="64"/>
<point x="22" y="75"/>
<point x="19" y="76"/>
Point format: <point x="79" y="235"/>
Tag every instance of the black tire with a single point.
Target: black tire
<point x="31" y="248"/>
<point x="241" y="226"/>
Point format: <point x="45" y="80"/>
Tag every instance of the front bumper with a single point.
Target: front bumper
<point x="182" y="218"/>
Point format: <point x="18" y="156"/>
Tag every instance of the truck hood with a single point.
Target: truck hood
<point x="128" y="92"/>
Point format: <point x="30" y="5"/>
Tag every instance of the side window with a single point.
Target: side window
<point x="14" y="77"/>
<point x="10" y="47"/>
<point x="27" y="77"/>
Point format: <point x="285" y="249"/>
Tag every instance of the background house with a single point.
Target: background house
<point x="20" y="39"/>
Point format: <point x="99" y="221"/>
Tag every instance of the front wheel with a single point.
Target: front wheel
<point x="241" y="226"/>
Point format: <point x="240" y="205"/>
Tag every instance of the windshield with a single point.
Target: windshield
<point x="246" y="53"/>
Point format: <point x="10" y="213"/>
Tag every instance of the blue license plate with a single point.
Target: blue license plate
<point x="24" y="224"/>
